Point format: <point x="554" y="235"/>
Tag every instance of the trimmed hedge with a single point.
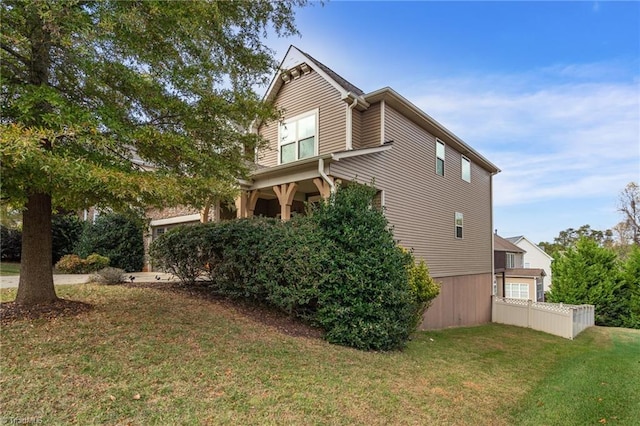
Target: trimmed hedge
<point x="339" y="267"/>
<point x="74" y="264"/>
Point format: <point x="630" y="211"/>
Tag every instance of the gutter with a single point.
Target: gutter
<point x="350" y="108"/>
<point x="325" y="176"/>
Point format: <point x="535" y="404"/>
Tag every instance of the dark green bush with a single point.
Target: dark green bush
<point x="117" y="237"/>
<point x="365" y="300"/>
<point x="66" y="230"/>
<point x="185" y="251"/>
<point x="10" y="244"/>
<point x="339" y="267"/>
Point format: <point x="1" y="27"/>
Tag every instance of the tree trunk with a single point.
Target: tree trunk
<point x="36" y="271"/>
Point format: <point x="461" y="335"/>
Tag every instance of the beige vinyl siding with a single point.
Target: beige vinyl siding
<point x="370" y="127"/>
<point x="356" y="131"/>
<point x="463" y="301"/>
<point x="421" y="205"/>
<point x="302" y="95"/>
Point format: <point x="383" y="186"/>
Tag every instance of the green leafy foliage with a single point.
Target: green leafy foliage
<point x="339" y="268"/>
<point x="590" y="274"/>
<point x="66" y="231"/>
<point x="74" y="264"/>
<point x="423" y="287"/>
<point x="94" y="94"/>
<point x="118" y="237"/>
<point x="10" y="244"/>
<point x="631" y="278"/>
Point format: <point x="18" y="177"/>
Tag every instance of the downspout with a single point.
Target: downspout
<point x="350" y="124"/>
<point x="325" y="176"/>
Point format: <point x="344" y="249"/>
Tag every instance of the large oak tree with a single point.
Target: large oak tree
<point x="95" y="92"/>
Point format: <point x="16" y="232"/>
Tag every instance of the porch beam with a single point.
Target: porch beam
<point x="285" y="193"/>
<point x="323" y="187"/>
<point x="252" y="199"/>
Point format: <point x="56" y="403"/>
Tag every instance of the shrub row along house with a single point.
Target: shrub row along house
<point x="435" y="189"/>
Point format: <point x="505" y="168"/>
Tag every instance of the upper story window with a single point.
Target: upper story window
<point x="439" y="157"/>
<point x="459" y="223"/>
<point x="511" y="260"/>
<point x="298" y="137"/>
<point x="466" y="168"/>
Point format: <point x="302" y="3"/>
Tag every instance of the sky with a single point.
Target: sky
<point x="547" y="91"/>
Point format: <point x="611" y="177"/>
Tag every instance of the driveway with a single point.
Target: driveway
<point x="63" y="279"/>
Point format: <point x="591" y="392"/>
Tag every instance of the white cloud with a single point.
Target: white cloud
<point x="552" y="140"/>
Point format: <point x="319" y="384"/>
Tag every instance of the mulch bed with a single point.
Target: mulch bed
<point x="10" y="311"/>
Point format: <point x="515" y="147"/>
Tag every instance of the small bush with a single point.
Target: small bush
<point x="95" y="262"/>
<point x="70" y="264"/>
<point x="423" y="287"/>
<point x="74" y="264"/>
<point x="109" y="276"/>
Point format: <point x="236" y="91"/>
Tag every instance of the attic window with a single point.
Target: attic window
<point x="298" y="137"/>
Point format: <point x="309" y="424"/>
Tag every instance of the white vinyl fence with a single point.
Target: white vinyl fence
<point x="554" y="318"/>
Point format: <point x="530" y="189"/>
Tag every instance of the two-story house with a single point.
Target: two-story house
<point x="534" y="257"/>
<point x="435" y="189"/>
<point x="514" y="279"/>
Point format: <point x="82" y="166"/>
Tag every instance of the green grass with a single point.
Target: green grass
<point x="144" y="356"/>
<point x="9" y="268"/>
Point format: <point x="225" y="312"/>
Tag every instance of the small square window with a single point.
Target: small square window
<point x="459" y="224"/>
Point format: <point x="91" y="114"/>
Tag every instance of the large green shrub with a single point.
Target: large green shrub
<point x="66" y="230"/>
<point x="366" y="300"/>
<point x="339" y="267"/>
<point x="631" y="279"/>
<point x="117" y="237"/>
<point x="590" y="274"/>
<point x="10" y="244"/>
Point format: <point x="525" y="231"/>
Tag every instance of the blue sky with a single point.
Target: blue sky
<point x="547" y="91"/>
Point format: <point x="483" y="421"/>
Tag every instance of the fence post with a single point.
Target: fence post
<point x="529" y="304"/>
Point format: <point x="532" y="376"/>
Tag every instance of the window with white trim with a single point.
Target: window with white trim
<point x="439" y="157"/>
<point x="465" y="165"/>
<point x="516" y="291"/>
<point x="459" y="223"/>
<point x="511" y="260"/>
<point x="298" y="137"/>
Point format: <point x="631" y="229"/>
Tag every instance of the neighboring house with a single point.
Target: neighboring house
<point x="534" y="257"/>
<point x="513" y="279"/>
<point x="435" y="189"/>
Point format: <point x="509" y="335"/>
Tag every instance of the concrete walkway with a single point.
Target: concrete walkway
<point x="62" y="279"/>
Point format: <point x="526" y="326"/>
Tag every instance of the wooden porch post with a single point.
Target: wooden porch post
<point x="241" y="205"/>
<point x="252" y="199"/>
<point x="285" y="193"/>
<point x="323" y="187"/>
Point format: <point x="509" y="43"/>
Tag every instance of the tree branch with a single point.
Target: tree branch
<point x="15" y="54"/>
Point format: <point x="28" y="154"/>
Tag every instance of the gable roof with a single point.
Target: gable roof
<point x="349" y="92"/>
<point x="500" y="244"/>
<point x="520" y="238"/>
<point x="341" y="81"/>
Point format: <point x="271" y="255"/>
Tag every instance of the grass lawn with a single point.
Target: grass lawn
<point x="9" y="268"/>
<point x="144" y="356"/>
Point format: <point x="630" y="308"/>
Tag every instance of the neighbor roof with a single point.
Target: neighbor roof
<point x="500" y="244"/>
